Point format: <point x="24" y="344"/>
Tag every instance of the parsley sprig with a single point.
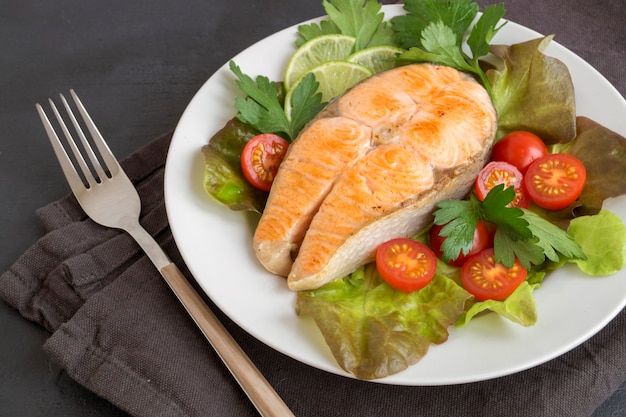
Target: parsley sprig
<point x="263" y="107"/>
<point x="434" y="31"/>
<point x="359" y="18"/>
<point x="520" y="233"/>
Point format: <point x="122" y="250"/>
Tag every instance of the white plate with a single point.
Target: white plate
<point x="216" y="244"/>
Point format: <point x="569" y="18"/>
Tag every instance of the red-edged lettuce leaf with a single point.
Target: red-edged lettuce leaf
<point x="223" y="179"/>
<point x="532" y="91"/>
<point x="374" y="330"/>
<point x="603" y="152"/>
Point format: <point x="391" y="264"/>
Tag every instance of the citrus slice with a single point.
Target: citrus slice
<point x="334" y="78"/>
<point x="314" y="52"/>
<point x="376" y="58"/>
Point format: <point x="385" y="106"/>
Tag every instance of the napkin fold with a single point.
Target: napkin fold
<point x="117" y="329"/>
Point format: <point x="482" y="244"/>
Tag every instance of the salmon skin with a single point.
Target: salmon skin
<point x="371" y="167"/>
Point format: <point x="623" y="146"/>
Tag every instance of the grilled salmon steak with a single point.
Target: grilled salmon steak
<point x="371" y="167"/>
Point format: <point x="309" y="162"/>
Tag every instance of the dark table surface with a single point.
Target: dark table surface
<point x="140" y="62"/>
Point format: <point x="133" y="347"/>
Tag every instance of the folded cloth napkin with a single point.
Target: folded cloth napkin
<point x="119" y="331"/>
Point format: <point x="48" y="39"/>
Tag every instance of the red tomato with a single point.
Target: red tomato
<point x="261" y="157"/>
<point x="487" y="280"/>
<point x="496" y="173"/>
<point x="406" y="265"/>
<point x="482" y="240"/>
<point x="556" y="180"/>
<point x="519" y="149"/>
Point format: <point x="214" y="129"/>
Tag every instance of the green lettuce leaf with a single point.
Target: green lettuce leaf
<point x="374" y="330"/>
<point x="518" y="307"/>
<point x="222" y="178"/>
<point x="532" y="91"/>
<point x="603" y="239"/>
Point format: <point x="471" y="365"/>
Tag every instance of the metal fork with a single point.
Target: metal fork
<point x="109" y="198"/>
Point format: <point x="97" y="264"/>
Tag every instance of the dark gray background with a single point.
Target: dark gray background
<point x="139" y="63"/>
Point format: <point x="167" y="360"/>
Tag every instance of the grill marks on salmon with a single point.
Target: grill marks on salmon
<point x="424" y="132"/>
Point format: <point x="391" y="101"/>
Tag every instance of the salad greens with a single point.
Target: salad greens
<point x="519" y="307"/>
<point x="519" y="233"/>
<point x="603" y="153"/>
<point x="603" y="239"/>
<point x="359" y="18"/>
<point x="389" y="330"/>
<point x="263" y="109"/>
<point x="532" y="91"/>
<point x="434" y="31"/>
<point x="223" y="178"/>
<point x="372" y="329"/>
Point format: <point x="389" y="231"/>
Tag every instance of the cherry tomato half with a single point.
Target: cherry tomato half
<point x="519" y="149"/>
<point x="487" y="280"/>
<point x="482" y="240"/>
<point x="498" y="172"/>
<point x="406" y="265"/>
<point x="261" y="157"/>
<point x="556" y="180"/>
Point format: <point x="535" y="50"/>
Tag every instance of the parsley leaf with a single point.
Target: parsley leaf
<point x="313" y="30"/>
<point x="263" y="110"/>
<point x="520" y="233"/>
<point x="553" y="239"/>
<point x="508" y="219"/>
<point x="506" y="248"/>
<point x="433" y="31"/>
<point x="359" y="18"/>
<point x="306" y="103"/>
<point x="484" y="30"/>
<point x="439" y="43"/>
<point x="456" y="15"/>
<point x="460" y="221"/>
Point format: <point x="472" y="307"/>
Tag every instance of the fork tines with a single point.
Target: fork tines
<point x="100" y="166"/>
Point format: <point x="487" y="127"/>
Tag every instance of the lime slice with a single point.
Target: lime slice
<point x="376" y="58"/>
<point x="315" y="52"/>
<point x="334" y="77"/>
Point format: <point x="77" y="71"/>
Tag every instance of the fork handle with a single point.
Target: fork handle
<point x="267" y="402"/>
<point x="257" y="388"/>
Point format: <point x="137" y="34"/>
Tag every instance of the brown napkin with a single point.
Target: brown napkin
<point x="117" y="330"/>
<point x="116" y="327"/>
